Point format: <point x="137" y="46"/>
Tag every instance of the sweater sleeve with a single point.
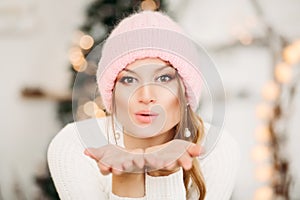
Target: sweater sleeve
<point x="220" y="167"/>
<point x="75" y="175"/>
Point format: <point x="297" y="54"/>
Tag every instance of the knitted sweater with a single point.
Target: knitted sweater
<point x="77" y="177"/>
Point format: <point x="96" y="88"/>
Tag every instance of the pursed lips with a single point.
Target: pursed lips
<point x="146" y="113"/>
<point x="146" y="116"/>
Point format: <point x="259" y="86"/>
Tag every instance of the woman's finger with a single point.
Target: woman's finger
<point x="139" y="161"/>
<point x="117" y="169"/>
<point x="171" y="166"/>
<point x="104" y="169"/>
<point x="154" y="162"/>
<point x="194" y="150"/>
<point x="127" y="165"/>
<point x="94" y="153"/>
<point x="185" y="161"/>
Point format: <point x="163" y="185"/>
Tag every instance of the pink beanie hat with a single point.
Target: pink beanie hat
<point x="143" y="35"/>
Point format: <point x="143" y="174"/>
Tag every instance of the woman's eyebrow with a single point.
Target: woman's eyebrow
<point x="159" y="69"/>
<point x="128" y="70"/>
<point x="164" y="67"/>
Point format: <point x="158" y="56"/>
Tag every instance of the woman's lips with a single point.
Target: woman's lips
<point x="145" y="116"/>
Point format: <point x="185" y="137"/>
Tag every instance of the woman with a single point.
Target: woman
<point x="149" y="82"/>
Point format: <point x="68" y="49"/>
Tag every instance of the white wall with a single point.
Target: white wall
<point x="34" y="40"/>
<point x="34" y="53"/>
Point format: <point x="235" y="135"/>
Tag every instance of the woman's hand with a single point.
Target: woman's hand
<point x="158" y="160"/>
<point x="116" y="160"/>
<point x="166" y="159"/>
<point x="126" y="166"/>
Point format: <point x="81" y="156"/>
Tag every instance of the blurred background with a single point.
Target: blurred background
<point x="256" y="48"/>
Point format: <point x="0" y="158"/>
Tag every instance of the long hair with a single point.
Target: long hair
<point x="188" y="119"/>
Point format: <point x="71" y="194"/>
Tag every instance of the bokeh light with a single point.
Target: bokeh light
<point x="90" y="108"/>
<point x="264" y="111"/>
<point x="75" y="56"/>
<point x="283" y="73"/>
<point x="262" y="134"/>
<point x="271" y="91"/>
<point x="264" y="193"/>
<point x="264" y="173"/>
<point x="148" y="5"/>
<point x="261" y="153"/>
<point x="291" y="53"/>
<point x="86" y="42"/>
<point x="82" y="66"/>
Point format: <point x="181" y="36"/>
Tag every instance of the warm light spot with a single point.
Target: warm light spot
<point x="291" y="53"/>
<point x="90" y="108"/>
<point x="82" y="66"/>
<point x="271" y="91"/>
<point x="100" y="113"/>
<point x="264" y="111"/>
<point x="263" y="134"/>
<point x="264" y="193"/>
<point x="75" y="56"/>
<point x="148" y="5"/>
<point x="86" y="42"/>
<point x="265" y="173"/>
<point x="283" y="73"/>
<point x="261" y="153"/>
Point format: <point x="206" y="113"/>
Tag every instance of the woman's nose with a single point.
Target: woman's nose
<point x="146" y="94"/>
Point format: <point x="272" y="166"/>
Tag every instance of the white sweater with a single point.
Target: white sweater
<point x="77" y="177"/>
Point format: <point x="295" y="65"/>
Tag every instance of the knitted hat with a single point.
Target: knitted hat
<point x="143" y="35"/>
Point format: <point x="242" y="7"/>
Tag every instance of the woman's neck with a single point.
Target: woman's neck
<point x="132" y="142"/>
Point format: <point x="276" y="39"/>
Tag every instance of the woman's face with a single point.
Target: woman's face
<point x="146" y="98"/>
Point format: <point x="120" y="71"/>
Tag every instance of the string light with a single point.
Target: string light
<point x="262" y="134"/>
<point x="100" y="113"/>
<point x="75" y="56"/>
<point x="149" y="5"/>
<point x="264" y="111"/>
<point x="86" y="42"/>
<point x="265" y="173"/>
<point x="283" y="73"/>
<point x="90" y="108"/>
<point x="260" y="153"/>
<point x="82" y="66"/>
<point x="291" y="53"/>
<point x="264" y="193"/>
<point x="271" y="91"/>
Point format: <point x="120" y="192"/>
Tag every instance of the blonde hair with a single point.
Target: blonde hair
<point x="190" y="120"/>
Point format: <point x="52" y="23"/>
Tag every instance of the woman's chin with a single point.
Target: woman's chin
<point x="144" y="133"/>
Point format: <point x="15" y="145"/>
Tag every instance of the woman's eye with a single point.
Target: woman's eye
<point x="128" y="80"/>
<point x="165" y="78"/>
